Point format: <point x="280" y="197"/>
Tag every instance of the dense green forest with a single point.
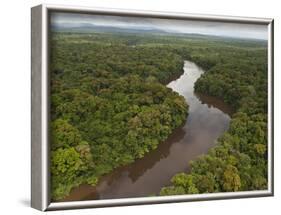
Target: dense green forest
<point x="238" y="75"/>
<point x="110" y="106"/>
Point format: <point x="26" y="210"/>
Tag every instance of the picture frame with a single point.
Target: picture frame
<point x="40" y="120"/>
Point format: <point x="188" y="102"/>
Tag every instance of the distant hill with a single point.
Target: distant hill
<point x="90" y="28"/>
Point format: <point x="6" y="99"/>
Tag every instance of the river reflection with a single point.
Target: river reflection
<point x="208" y="118"/>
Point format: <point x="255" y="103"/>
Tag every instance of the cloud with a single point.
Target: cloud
<point x="238" y="30"/>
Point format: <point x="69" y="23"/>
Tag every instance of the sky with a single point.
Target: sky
<point x="236" y="30"/>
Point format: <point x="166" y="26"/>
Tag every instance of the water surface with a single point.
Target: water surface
<point x="208" y="118"/>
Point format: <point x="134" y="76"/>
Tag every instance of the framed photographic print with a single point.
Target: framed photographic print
<point x="141" y="107"/>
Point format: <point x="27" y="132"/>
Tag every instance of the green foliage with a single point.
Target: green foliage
<point x="64" y="134"/>
<point x="167" y="191"/>
<point x="231" y="179"/>
<point x="109" y="106"/>
<point x="66" y="162"/>
<point x="66" y="165"/>
<point x="237" y="163"/>
<point x="236" y="74"/>
<point x="185" y="181"/>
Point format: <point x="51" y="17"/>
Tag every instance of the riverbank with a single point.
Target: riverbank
<point x="208" y="118"/>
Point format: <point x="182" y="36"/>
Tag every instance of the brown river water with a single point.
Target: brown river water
<point x="208" y="118"/>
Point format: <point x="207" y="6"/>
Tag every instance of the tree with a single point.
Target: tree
<point x="231" y="179"/>
<point x="63" y="134"/>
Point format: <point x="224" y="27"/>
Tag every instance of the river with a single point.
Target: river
<point x="208" y="118"/>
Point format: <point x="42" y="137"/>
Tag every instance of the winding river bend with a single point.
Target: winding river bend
<point x="208" y="118"/>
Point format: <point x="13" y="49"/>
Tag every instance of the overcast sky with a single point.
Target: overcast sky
<point x="180" y="26"/>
